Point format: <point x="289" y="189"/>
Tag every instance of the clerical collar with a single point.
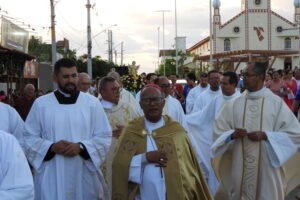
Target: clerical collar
<point x="257" y="94"/>
<point x="150" y="126"/>
<point x="107" y="104"/>
<point x="64" y="98"/>
<point x="65" y="94"/>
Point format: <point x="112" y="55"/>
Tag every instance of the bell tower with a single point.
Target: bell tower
<point x="255" y="4"/>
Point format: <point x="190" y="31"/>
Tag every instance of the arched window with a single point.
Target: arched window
<point x="227" y="45"/>
<point x="287" y="43"/>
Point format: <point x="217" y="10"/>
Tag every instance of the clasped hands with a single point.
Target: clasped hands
<point x="66" y="148"/>
<point x="254" y="136"/>
<point x="157" y="157"/>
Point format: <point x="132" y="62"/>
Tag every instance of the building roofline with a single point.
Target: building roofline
<point x="201" y="42"/>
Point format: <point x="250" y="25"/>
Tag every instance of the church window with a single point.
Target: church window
<point x="287" y="43"/>
<point x="227" y="45"/>
<point x="257" y="2"/>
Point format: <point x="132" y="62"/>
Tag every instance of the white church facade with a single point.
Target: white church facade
<point x="255" y="33"/>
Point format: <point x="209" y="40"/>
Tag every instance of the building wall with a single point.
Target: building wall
<point x="257" y="30"/>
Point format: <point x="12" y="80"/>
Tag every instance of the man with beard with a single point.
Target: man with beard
<point x="67" y="136"/>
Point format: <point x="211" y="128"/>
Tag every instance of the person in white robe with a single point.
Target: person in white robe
<point x="200" y="126"/>
<point x="208" y="95"/>
<point x="126" y="96"/>
<point x="15" y="176"/>
<point x="256" y="137"/>
<point x="118" y="112"/>
<point x="154" y="159"/>
<point x="195" y="92"/>
<point x="172" y="106"/>
<point x="67" y="136"/>
<point x="11" y="122"/>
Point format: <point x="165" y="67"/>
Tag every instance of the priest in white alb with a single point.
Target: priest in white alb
<point x="11" y="122"/>
<point x="15" y="176"/>
<point x="200" y="125"/>
<point x="256" y="143"/>
<point x="67" y="136"/>
<point x="195" y="92"/>
<point x="208" y="95"/>
<point x="172" y="106"/>
<point x="118" y="112"/>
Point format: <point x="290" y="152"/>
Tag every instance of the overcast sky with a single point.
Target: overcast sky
<point x="137" y="23"/>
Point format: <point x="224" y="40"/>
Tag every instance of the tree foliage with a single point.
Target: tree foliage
<point x="43" y="53"/>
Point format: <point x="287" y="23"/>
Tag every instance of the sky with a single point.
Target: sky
<point x="136" y="21"/>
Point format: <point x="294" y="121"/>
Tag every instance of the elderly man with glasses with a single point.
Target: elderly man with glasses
<point x="118" y="112"/>
<point x="154" y="159"/>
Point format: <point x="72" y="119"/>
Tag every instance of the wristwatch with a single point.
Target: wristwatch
<point x="81" y="146"/>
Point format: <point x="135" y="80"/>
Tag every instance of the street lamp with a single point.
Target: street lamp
<point x="163" y="15"/>
<point x="176" y="37"/>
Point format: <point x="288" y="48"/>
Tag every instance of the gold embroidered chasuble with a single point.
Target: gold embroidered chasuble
<point x="245" y="170"/>
<point x="120" y="114"/>
<point x="183" y="177"/>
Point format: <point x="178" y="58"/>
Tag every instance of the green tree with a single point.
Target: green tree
<point x="100" y="67"/>
<point x="170" y="65"/>
<point x="40" y="50"/>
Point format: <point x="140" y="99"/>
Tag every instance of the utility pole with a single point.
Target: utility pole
<point x="89" y="40"/>
<point x="116" y="61"/>
<point x="158" y="30"/>
<point x="210" y="39"/>
<point x="164" y="51"/>
<point x="110" y="46"/>
<point x="53" y="38"/>
<point x="122" y="53"/>
<point x="176" y="38"/>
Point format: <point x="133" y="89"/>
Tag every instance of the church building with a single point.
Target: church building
<point x="256" y="33"/>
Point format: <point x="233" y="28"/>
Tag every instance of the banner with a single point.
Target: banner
<point x="31" y="69"/>
<point x="13" y="36"/>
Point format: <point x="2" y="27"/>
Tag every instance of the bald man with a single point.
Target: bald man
<point x="23" y="104"/>
<point x="155" y="159"/>
<point x="84" y="82"/>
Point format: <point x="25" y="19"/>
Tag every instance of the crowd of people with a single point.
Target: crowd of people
<point x="223" y="137"/>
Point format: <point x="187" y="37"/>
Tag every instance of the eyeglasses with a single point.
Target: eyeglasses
<point x="155" y="100"/>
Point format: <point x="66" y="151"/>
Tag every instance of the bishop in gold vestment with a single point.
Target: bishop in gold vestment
<point x="154" y="158"/>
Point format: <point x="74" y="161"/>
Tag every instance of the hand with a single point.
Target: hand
<point x="257" y="136"/>
<point x="117" y="132"/>
<point x="238" y="133"/>
<point x="157" y="157"/>
<point x="59" y="147"/>
<point x="73" y="149"/>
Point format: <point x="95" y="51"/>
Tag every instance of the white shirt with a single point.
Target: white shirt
<point x="205" y="98"/>
<point x="15" y="176"/>
<point x="148" y="176"/>
<point x="192" y="96"/>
